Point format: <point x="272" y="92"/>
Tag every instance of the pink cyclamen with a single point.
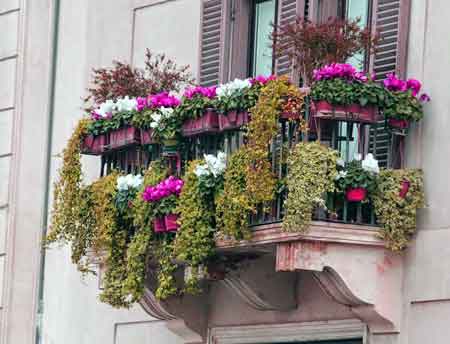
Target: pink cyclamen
<point x="166" y="188"/>
<point x="208" y="92"/>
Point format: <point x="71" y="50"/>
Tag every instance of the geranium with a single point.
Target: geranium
<point x="129" y="181"/>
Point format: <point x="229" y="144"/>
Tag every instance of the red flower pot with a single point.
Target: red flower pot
<point x="94" y="145"/>
<point x="207" y="123"/>
<point x="404" y="189"/>
<point x="170" y="221"/>
<point x="356" y="194"/>
<point x="146" y="136"/>
<point x="159" y="225"/>
<point x="398" y="123"/>
<point x="233" y="120"/>
<point x="349" y="113"/>
<point x="123" y="137"/>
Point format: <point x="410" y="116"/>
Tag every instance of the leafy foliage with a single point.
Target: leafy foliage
<point x="403" y="105"/>
<point x="396" y="214"/>
<point x="312" y="170"/>
<point x="356" y="177"/>
<point x="311" y="45"/>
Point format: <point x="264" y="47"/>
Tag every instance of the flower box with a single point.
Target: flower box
<point x="207" y="123"/>
<point x="356" y="194"/>
<point x="94" y="145"/>
<point x="233" y="120"/>
<point x="171" y="223"/>
<point x="349" y="113"/>
<point x="159" y="225"/>
<point x="398" y="123"/>
<point x="146" y="137"/>
<point x="123" y="137"/>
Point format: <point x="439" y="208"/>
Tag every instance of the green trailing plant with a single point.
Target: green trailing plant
<point x="397" y="214"/>
<point x="311" y="173"/>
<point x="234" y="204"/>
<point x="194" y="243"/>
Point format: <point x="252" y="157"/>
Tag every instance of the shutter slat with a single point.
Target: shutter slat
<point x="211" y="42"/>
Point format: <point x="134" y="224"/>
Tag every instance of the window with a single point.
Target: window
<point x="263" y="16"/>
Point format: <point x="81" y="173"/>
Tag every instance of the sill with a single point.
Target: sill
<point x="319" y="231"/>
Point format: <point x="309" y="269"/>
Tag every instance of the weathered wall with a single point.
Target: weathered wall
<point x="92" y="34"/>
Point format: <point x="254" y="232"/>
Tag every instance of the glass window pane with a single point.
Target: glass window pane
<point x="264" y="17"/>
<point x="358" y="9"/>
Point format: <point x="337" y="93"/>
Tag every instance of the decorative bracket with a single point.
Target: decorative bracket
<point x="367" y="279"/>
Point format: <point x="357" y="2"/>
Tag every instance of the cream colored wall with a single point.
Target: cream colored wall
<point x="92" y="34"/>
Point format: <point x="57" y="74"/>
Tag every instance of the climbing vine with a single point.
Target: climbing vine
<point x="396" y="212"/>
<point x="312" y="170"/>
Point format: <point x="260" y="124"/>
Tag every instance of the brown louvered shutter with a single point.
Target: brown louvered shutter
<point x="390" y="19"/>
<point x="288" y="10"/>
<point x="211" y="42"/>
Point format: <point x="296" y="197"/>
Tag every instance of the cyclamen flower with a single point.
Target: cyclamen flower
<point x="141" y="103"/>
<point x="214" y="165"/>
<point x="163" y="99"/>
<point x="208" y="92"/>
<point x="424" y="98"/>
<point x="232" y="87"/>
<point x="370" y="164"/>
<point x="129" y="182"/>
<point x="392" y="83"/>
<point x="414" y="85"/>
<point x="125" y="104"/>
<point x="159" y="115"/>
<point x="166" y="188"/>
<point x="262" y="79"/>
<point x="338" y="70"/>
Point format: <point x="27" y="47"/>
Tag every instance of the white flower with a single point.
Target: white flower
<point x="357" y="157"/>
<point x="156" y="120"/>
<point x="370" y="164"/>
<point x="341" y="174"/>
<point x="202" y="170"/>
<point x="166" y="112"/>
<point x="129" y="181"/>
<point x="214" y="165"/>
<point x="232" y="87"/>
<point x="105" y="108"/>
<point x="126" y="104"/>
<point x="341" y="162"/>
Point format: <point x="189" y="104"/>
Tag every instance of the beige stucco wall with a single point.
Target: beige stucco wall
<point x="92" y="34"/>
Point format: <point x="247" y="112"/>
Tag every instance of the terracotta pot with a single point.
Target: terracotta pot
<point x="207" y="123"/>
<point x="123" y="137"/>
<point x="398" y="123"/>
<point x="159" y="225"/>
<point x="146" y="136"/>
<point x="405" y="188"/>
<point x="94" y="145"/>
<point x="233" y="120"/>
<point x="356" y="194"/>
<point x="170" y="221"/>
<point x="349" y="113"/>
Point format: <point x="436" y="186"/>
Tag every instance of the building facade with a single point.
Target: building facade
<point x="339" y="283"/>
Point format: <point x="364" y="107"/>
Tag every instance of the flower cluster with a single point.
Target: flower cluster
<point x="261" y="79"/>
<point x="392" y="83"/>
<point x="154" y="101"/>
<point x="234" y="87"/>
<point x="160" y="116"/>
<point x="130" y="181"/>
<point x="339" y="70"/>
<point x="207" y="92"/>
<point x="109" y="107"/>
<point x="169" y="186"/>
<point x="214" y="165"/>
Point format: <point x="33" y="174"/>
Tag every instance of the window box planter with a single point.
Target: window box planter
<point x="233" y="120"/>
<point x="207" y="123"/>
<point x="146" y="137"/>
<point x="170" y="222"/>
<point x="94" y="145"/>
<point x="123" y="137"/>
<point x="356" y="194"/>
<point x="398" y="123"/>
<point x="349" y="113"/>
<point x="159" y="225"/>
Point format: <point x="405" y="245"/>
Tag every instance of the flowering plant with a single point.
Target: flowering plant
<point x="195" y="100"/>
<point x="239" y="94"/>
<point x="404" y="101"/>
<point x="165" y="194"/>
<point x="127" y="187"/>
<point x="153" y="101"/>
<point x="210" y="173"/>
<point x="358" y="173"/>
<point x="342" y="84"/>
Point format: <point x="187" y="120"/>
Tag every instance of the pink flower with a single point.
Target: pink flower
<point x="167" y="187"/>
<point x="424" y="98"/>
<point x="208" y="92"/>
<point x="261" y="79"/>
<point x="339" y="70"/>
<point x="392" y="83"/>
<point x="414" y="85"/>
<point x="141" y="103"/>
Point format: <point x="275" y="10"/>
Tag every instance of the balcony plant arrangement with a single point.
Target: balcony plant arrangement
<point x="340" y="92"/>
<point x="404" y="103"/>
<point x="197" y="109"/>
<point x="358" y="178"/>
<point x="164" y="196"/>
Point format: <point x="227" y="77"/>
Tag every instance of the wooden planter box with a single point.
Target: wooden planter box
<point x="349" y="113"/>
<point x="208" y="123"/>
<point x="123" y="137"/>
<point x="233" y="120"/>
<point x="94" y="145"/>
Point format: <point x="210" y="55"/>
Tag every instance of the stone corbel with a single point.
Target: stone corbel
<point x="368" y="279"/>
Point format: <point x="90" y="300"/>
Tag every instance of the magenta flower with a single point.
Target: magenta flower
<point x="424" y="98"/>
<point x="339" y="70"/>
<point x="261" y="79"/>
<point x="169" y="186"/>
<point x="392" y="83"/>
<point x="162" y="99"/>
<point x="414" y="85"/>
<point x="141" y="103"/>
<point x="208" y="92"/>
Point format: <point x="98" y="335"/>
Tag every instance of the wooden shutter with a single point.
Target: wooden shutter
<point x="211" y="42"/>
<point x="390" y="19"/>
<point x="288" y="10"/>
